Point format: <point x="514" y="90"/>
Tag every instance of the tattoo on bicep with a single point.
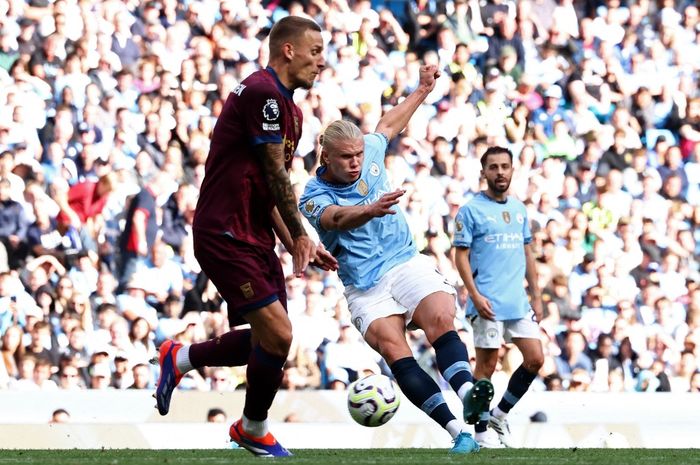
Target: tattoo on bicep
<point x="272" y="156"/>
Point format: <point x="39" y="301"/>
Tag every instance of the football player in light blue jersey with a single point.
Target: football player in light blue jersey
<point x="358" y="248"/>
<point x="493" y="256"/>
<point x="388" y="285"/>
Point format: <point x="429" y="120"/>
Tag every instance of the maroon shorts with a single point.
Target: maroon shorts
<point x="248" y="277"/>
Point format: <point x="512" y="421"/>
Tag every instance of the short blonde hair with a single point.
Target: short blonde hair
<point x="337" y="131"/>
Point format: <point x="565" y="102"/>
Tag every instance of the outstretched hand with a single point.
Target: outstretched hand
<point x="428" y="75"/>
<point x="324" y="259"/>
<point x="382" y="207"/>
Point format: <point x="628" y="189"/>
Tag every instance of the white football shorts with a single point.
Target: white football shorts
<point x="489" y="334"/>
<point x="397" y="293"/>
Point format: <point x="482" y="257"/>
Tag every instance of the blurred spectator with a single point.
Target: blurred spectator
<point x="100" y="376"/>
<point x="122" y="376"/>
<point x="348" y="359"/>
<point x="60" y="416"/>
<point x="12" y="350"/>
<point x="42" y="376"/>
<point x="574" y="357"/>
<point x="141" y="227"/>
<point x="163" y="274"/>
<point x="216" y="415"/>
<point x="14" y="224"/>
<point x="220" y="380"/>
<point x="105" y="129"/>
<point x="142" y="376"/>
<point x="70" y="378"/>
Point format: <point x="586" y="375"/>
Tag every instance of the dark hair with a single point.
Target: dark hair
<point x="287" y="29"/>
<point x="215" y="411"/>
<point x="493" y="151"/>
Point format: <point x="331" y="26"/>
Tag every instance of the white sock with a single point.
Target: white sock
<point x="454" y="427"/>
<point x="464" y="389"/>
<point x="498" y="413"/>
<point x="182" y="359"/>
<point x="480" y="436"/>
<point x="255" y="428"/>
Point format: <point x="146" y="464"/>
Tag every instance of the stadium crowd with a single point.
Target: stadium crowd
<point x="107" y="111"/>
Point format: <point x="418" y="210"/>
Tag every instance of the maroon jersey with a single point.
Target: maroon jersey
<point x="235" y="198"/>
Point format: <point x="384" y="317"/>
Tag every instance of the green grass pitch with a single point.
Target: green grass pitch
<point x="355" y="457"/>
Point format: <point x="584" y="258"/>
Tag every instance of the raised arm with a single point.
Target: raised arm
<point x="303" y="249"/>
<point x="395" y="120"/>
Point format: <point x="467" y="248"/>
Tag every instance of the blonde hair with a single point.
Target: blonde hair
<point x="335" y="132"/>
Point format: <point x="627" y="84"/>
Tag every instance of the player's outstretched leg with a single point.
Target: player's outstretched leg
<point x="477" y="400"/>
<point x="170" y="376"/>
<point x="425" y="394"/>
<point x="228" y="350"/>
<point x="264" y="446"/>
<point x="452" y="360"/>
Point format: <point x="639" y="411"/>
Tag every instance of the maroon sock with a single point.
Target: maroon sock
<point x="264" y="376"/>
<point x="228" y="350"/>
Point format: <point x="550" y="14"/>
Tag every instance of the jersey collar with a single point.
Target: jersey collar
<point x="322" y="169"/>
<point x="285" y="91"/>
<point x="483" y="194"/>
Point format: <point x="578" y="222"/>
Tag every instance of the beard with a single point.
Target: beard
<point x="494" y="187"/>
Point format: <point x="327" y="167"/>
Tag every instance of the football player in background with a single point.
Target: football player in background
<point x="493" y="256"/>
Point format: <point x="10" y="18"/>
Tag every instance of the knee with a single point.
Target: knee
<point x="485" y="368"/>
<point x="489" y="368"/>
<point x="442" y="323"/>
<point x="533" y="364"/>
<point x="277" y="343"/>
<point x="392" y="352"/>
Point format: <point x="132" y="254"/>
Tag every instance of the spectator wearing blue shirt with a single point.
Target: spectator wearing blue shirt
<point x="545" y="117"/>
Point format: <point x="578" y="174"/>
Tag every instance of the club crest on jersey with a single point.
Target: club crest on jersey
<point x="309" y="206"/>
<point x="459" y="225"/>
<point x="374" y="169"/>
<point x="271" y="110"/>
<point x="520" y="218"/>
<point x="247" y="290"/>
<point x="358" y="323"/>
<point x="506" y="217"/>
<point x="362" y="187"/>
<point x="296" y="125"/>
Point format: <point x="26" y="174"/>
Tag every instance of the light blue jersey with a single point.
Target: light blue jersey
<point x="495" y="234"/>
<point x="365" y="253"/>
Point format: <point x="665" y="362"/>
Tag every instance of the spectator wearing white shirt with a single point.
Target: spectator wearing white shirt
<point x="132" y="303"/>
<point x="163" y="275"/>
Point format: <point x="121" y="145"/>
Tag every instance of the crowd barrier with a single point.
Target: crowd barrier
<point x="319" y="419"/>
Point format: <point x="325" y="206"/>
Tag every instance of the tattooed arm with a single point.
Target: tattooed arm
<point x="303" y="248"/>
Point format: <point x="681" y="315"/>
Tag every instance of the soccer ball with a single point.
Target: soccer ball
<point x="372" y="400"/>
